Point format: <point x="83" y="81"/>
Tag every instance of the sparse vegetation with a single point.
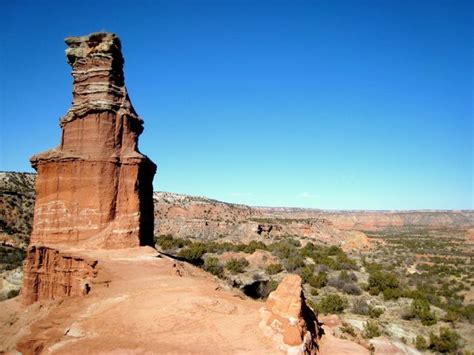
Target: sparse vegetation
<point x="319" y="280"/>
<point x="214" y="266"/>
<point x="385" y="282"/>
<point x="11" y="258"/>
<point x="330" y="273"/>
<point x="447" y="341"/>
<point x="421" y="343"/>
<point x="236" y="266"/>
<point x="375" y="312"/>
<point x="193" y="253"/>
<point x="348" y="329"/>
<point x="332" y="303"/>
<point x="273" y="269"/>
<point x="371" y="330"/>
<point x="421" y="309"/>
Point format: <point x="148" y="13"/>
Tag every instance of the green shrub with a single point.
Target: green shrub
<point x="193" y="253"/>
<point x="381" y="281"/>
<point x="372" y="267"/>
<point x="273" y="269"/>
<point x="428" y="318"/>
<point x="326" y="260"/>
<point x="319" y="280"/>
<point x="421" y="309"/>
<point x="306" y="273"/>
<point x="371" y="330"/>
<point x="375" y="312"/>
<point x="347" y="276"/>
<point x="332" y="303"/>
<point x="284" y="249"/>
<point x="392" y="294"/>
<point x="236" y="266"/>
<point x="294" y="262"/>
<point x="346" y="263"/>
<point x="314" y="291"/>
<point x="167" y="242"/>
<point x="349" y="329"/>
<point x="251" y="247"/>
<point x="446" y="342"/>
<point x="213" y="266"/>
<point x="421" y="343"/>
<point x="414" y="294"/>
<point x="11" y="258"/>
<point x="467" y="312"/>
<point x="374" y="291"/>
<point x="335" y="250"/>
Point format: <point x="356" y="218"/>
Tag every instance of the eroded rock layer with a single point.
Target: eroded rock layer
<point x="95" y="188"/>
<point x="288" y="319"/>
<point x="50" y="274"/>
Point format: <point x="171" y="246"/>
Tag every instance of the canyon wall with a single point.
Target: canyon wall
<point x="51" y="274"/>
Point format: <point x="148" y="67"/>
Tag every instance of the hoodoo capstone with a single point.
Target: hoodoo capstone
<point x="95" y="188"/>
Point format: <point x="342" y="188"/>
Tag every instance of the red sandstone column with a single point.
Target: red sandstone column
<point x="95" y="189"/>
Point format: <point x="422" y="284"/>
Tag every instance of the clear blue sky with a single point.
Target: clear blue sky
<point x="325" y="104"/>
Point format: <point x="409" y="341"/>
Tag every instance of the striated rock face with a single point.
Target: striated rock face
<point x="95" y="188"/>
<point x="50" y="274"/>
<point x="288" y="319"/>
<point x="205" y="219"/>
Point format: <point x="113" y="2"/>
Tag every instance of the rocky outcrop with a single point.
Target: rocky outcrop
<point x="95" y="188"/>
<point x="288" y="320"/>
<point x="50" y="274"/>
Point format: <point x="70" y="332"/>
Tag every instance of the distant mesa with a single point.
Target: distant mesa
<point x="95" y="189"/>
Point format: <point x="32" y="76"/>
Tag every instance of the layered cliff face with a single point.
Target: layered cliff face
<point x="206" y="219"/>
<point x="95" y="188"/>
<point x="51" y="274"/>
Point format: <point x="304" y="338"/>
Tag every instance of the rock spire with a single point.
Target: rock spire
<point x="95" y="189"/>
